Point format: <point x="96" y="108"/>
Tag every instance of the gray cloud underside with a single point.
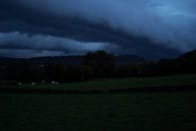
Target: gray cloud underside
<point x="144" y="27"/>
<point x="20" y="41"/>
<point x="24" y="53"/>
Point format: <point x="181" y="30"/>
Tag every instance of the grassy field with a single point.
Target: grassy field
<point x="102" y="112"/>
<point x="113" y="112"/>
<point x="174" y="80"/>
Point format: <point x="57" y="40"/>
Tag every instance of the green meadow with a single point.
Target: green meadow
<point x="171" y="111"/>
<point x="135" y="82"/>
<point x="112" y="112"/>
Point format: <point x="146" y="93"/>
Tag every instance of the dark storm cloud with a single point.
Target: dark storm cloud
<point x="13" y="41"/>
<point x="169" y="21"/>
<point x="170" y="24"/>
<point x="42" y="43"/>
<point x="20" y="53"/>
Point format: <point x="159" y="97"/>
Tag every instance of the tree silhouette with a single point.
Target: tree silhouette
<point x="101" y="63"/>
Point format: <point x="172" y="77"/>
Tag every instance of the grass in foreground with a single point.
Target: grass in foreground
<point x="175" y="80"/>
<point x="114" y="112"/>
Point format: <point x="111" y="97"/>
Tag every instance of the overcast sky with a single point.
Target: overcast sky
<point x="60" y="27"/>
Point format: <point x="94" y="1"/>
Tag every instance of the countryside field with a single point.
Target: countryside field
<point x="113" y="112"/>
<point x="135" y="82"/>
<point x="158" y="111"/>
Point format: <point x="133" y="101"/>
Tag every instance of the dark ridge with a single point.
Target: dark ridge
<point x="188" y="55"/>
<point x="128" y="59"/>
<point x="69" y="60"/>
<point x="168" y="89"/>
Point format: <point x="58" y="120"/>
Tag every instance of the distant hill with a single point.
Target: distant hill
<point x="128" y="59"/>
<point x="188" y="56"/>
<point x="188" y="61"/>
<point x="4" y="58"/>
<point x="69" y="60"/>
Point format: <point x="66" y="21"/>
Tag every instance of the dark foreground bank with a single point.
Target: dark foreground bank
<point x="98" y="112"/>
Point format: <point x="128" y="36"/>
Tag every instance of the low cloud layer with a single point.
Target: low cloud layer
<point x="25" y="53"/>
<point x="47" y="44"/>
<point x="141" y="27"/>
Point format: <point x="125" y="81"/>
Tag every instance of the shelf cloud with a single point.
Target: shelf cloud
<point x="138" y="26"/>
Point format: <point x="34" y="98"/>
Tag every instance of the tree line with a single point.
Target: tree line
<point x="96" y="65"/>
